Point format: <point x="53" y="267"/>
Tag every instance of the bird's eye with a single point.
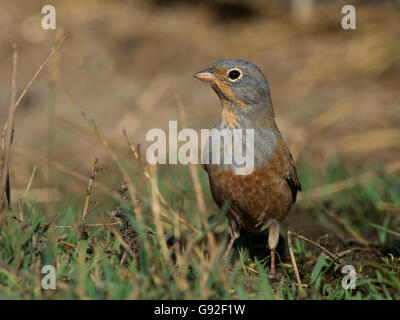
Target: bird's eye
<point x="234" y="74"/>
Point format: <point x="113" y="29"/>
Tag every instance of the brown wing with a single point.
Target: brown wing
<point x="292" y="179"/>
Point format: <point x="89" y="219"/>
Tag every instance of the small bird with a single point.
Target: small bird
<point x="258" y="201"/>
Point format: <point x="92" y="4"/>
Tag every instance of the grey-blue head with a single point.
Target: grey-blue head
<point x="240" y="85"/>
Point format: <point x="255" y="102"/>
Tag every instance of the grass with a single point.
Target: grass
<point x="185" y="264"/>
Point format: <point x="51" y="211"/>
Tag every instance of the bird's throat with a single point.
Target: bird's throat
<point x="230" y="118"/>
<point x="252" y="117"/>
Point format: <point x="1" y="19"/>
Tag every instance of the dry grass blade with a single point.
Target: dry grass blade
<point x="123" y="242"/>
<point x="62" y="168"/>
<point x="339" y="220"/>
<point x="387" y="206"/>
<point x="51" y="123"/>
<point x="174" y="213"/>
<point x="109" y="224"/>
<point x="213" y="250"/>
<point x="198" y="189"/>
<point x="28" y="187"/>
<point x="65" y="243"/>
<point x="6" y="139"/>
<point x="136" y="155"/>
<point x="132" y="147"/>
<point x="157" y="216"/>
<point x="14" y="103"/>
<point x="292" y="257"/>
<point x="93" y="172"/>
<point x="181" y="281"/>
<point x="161" y="197"/>
<point x="332" y="255"/>
<point x="344" y="252"/>
<point x="193" y="169"/>
<point x="132" y="191"/>
<point x="83" y="227"/>
<point x="53" y="52"/>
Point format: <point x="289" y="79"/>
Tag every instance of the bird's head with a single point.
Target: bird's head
<point x="239" y="84"/>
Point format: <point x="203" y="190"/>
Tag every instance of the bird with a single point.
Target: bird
<point x="259" y="200"/>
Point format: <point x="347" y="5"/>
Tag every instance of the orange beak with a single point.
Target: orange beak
<point x="205" y="76"/>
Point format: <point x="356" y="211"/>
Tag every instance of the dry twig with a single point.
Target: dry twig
<point x="93" y="172"/>
<point x="292" y="257"/>
<point x="83" y="228"/>
<point x="332" y="255"/>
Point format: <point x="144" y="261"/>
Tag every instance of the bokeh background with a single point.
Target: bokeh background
<point x="129" y="65"/>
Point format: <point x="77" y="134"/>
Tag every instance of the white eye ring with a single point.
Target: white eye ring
<point x="238" y="77"/>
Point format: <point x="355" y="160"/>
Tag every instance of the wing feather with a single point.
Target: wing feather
<point x="292" y="179"/>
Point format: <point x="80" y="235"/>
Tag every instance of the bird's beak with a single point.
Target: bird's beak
<point x="205" y="76"/>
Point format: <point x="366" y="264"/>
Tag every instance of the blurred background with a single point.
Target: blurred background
<point x="129" y="65"/>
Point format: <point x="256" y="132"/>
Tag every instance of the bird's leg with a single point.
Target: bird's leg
<point x="234" y="231"/>
<point x="273" y="238"/>
<point x="272" y="270"/>
<point x="229" y="246"/>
